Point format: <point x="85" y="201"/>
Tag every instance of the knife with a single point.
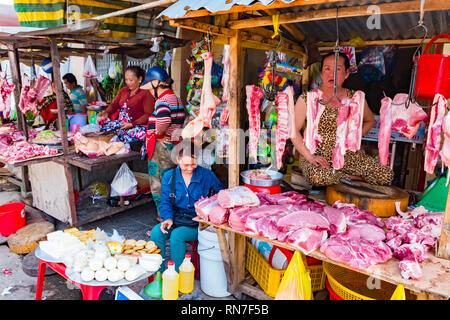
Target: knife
<point x="361" y="187"/>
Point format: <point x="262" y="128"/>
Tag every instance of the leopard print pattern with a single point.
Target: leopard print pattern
<point x="355" y="163"/>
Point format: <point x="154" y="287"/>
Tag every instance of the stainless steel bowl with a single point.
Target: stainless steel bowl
<point x="275" y="181"/>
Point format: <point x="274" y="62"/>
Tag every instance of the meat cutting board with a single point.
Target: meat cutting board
<point x="381" y="205"/>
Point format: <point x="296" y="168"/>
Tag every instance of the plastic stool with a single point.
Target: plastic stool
<point x="195" y="258"/>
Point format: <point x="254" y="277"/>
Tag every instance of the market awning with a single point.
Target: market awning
<point x="53" y="13"/>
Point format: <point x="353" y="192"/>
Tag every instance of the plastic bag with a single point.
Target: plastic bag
<point x="89" y="68"/>
<point x="112" y="72"/>
<point x="399" y="293"/>
<point x="296" y="282"/>
<point x="124" y="182"/>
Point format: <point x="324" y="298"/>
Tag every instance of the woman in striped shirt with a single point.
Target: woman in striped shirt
<point x="163" y="128"/>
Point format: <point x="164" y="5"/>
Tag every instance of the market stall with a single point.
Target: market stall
<point x="58" y="172"/>
<point x="241" y="27"/>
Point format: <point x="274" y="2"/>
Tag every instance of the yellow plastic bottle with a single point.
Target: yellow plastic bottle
<point x="170" y="282"/>
<point x="186" y="284"/>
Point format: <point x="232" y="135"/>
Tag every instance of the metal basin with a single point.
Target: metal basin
<point x="275" y="181"/>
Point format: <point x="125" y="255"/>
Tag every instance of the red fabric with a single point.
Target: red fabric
<point x="140" y="106"/>
<point x="47" y="115"/>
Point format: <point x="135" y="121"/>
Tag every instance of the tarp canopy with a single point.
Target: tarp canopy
<point x="53" y="13"/>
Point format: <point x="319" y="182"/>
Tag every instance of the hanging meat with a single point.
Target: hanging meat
<point x="384" y="135"/>
<point x="349" y="125"/>
<point x="396" y="115"/>
<point x="285" y="122"/>
<point x="314" y="111"/>
<point x="254" y="95"/>
<point x="32" y="94"/>
<point x="445" y="151"/>
<point x="5" y="94"/>
<point x="225" y="84"/>
<point x="433" y="144"/>
<point x="208" y="102"/>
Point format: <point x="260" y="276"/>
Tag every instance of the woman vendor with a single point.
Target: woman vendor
<point x="163" y="128"/>
<point x="181" y="188"/>
<point x="316" y="167"/>
<point x="133" y="105"/>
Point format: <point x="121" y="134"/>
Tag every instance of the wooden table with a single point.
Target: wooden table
<point x="54" y="191"/>
<point x="435" y="283"/>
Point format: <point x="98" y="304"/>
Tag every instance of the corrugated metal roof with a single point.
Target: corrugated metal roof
<point x="393" y="26"/>
<point x="181" y="7"/>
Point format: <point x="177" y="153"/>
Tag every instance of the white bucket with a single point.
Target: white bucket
<point x="213" y="280"/>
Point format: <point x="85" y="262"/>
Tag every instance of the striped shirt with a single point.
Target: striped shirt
<point x="79" y="99"/>
<point x="168" y="110"/>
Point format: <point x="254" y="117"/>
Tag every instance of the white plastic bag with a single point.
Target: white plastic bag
<point x="89" y="68"/>
<point x="124" y="182"/>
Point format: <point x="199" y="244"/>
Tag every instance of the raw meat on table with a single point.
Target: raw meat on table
<point x="237" y="196"/>
<point x="23" y="150"/>
<point x="306" y="239"/>
<point x="410" y="269"/>
<point x="204" y="207"/>
<point x="366" y="231"/>
<point x="398" y="225"/>
<point x="208" y="102"/>
<point x="355" y="215"/>
<point x="254" y="95"/>
<point x="303" y="219"/>
<point x="435" y="218"/>
<point x="289" y="197"/>
<point x="336" y="218"/>
<point x="358" y="254"/>
<point x="433" y="143"/>
<point x="218" y="215"/>
<point x="410" y="251"/>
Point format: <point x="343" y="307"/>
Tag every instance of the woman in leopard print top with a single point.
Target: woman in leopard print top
<point x="317" y="167"/>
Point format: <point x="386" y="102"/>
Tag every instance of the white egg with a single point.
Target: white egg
<point x="87" y="274"/>
<point x="101" y="274"/>
<point x="110" y="263"/>
<point x="123" y="264"/>
<point x="95" y="264"/>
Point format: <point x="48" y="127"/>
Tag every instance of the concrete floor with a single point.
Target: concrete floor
<point x="134" y="223"/>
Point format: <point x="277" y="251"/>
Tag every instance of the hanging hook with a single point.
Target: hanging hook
<point x="336" y="50"/>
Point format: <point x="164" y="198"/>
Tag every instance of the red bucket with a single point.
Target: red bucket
<point x="12" y="218"/>
<point x="433" y="73"/>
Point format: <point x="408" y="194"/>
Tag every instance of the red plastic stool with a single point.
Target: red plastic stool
<point x="195" y="258"/>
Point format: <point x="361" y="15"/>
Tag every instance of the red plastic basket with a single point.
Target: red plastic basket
<point x="333" y="295"/>
<point x="433" y="73"/>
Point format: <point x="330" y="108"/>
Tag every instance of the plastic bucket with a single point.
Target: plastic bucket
<point x="77" y="119"/>
<point x="12" y="218"/>
<point x="433" y="73"/>
<point x="213" y="280"/>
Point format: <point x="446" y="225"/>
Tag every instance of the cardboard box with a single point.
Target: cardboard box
<point x="143" y="180"/>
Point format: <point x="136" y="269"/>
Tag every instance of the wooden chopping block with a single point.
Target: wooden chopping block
<point x="27" y="239"/>
<point x="381" y="205"/>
